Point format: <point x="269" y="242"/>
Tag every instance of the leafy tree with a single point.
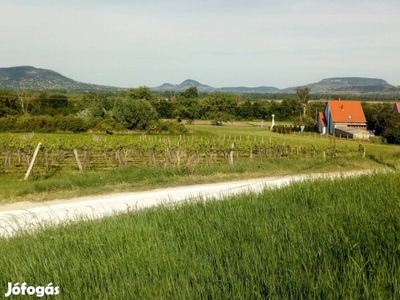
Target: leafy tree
<point x="314" y="108"/>
<point x="220" y="106"/>
<point x="43" y="104"/>
<point x="57" y="101"/>
<point x="392" y="130"/>
<point x="187" y="104"/>
<point x="134" y="113"/>
<point x="8" y="103"/>
<point x="245" y="110"/>
<point x="261" y="109"/>
<point x="98" y="105"/>
<point x="190" y="93"/>
<point x="304" y="95"/>
<point x="274" y="109"/>
<point x="165" y="108"/>
<point x="377" y="115"/>
<point x="289" y="108"/>
<point x="142" y="93"/>
<point x="187" y="109"/>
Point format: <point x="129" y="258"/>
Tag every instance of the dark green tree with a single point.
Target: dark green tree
<point x="190" y="93"/>
<point x="245" y="110"/>
<point x="261" y="109"/>
<point x="134" y="113"/>
<point x="57" y="101"/>
<point x="289" y="108"/>
<point x="186" y="105"/>
<point x="221" y="106"/>
<point x="98" y="105"/>
<point x="392" y="130"/>
<point x="142" y="93"/>
<point x="8" y="103"/>
<point x="377" y="115"/>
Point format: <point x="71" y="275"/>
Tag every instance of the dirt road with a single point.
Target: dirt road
<point x="30" y="216"/>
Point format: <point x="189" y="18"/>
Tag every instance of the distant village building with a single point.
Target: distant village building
<point x="396" y="108"/>
<point x="343" y="118"/>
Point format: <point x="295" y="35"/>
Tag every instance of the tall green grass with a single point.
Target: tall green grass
<point x="328" y="239"/>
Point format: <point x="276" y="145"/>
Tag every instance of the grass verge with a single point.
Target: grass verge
<point x="72" y="184"/>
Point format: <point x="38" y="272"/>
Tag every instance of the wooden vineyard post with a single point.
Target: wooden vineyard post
<point x="231" y="154"/>
<point x="178" y="155"/>
<point x="7" y="162"/>
<point x="32" y="161"/>
<point x="78" y="160"/>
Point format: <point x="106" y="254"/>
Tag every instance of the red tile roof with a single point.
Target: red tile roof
<point x="323" y="119"/>
<point x="346" y="111"/>
<point x="396" y="106"/>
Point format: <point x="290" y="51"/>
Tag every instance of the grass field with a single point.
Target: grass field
<point x="385" y="154"/>
<point x="328" y="239"/>
<point x="63" y="180"/>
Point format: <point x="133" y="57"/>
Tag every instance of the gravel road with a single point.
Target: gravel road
<point x="31" y="216"/>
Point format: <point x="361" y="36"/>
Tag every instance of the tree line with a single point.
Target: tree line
<point x="141" y="109"/>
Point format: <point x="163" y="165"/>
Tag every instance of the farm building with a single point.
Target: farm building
<point x="396" y="108"/>
<point x="344" y="118"/>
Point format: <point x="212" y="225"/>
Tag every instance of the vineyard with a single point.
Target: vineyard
<point x="101" y="152"/>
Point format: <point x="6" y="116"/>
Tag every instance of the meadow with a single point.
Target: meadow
<point x="327" y="239"/>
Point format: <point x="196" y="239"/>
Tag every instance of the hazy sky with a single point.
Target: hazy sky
<point x="220" y="43"/>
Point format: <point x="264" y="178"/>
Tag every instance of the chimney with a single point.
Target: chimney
<point x="341" y="106"/>
<point x="340" y="99"/>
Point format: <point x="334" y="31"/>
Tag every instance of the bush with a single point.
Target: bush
<point x="8" y="123"/>
<point x="166" y="126"/>
<point x="289" y="129"/>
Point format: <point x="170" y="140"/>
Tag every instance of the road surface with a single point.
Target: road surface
<point x="30" y="216"/>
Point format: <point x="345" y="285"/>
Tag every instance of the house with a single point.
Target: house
<point x="345" y="118"/>
<point x="396" y="108"/>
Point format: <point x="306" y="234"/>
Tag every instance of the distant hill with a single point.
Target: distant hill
<point x="243" y="89"/>
<point x="208" y="89"/>
<point x="349" y="85"/>
<point x="328" y="86"/>
<point x="27" y="77"/>
<point x="184" y="86"/>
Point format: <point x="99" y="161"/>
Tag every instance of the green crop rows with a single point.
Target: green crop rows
<point x="99" y="152"/>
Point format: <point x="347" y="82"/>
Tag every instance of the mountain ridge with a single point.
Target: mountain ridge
<point x="28" y="77"/>
<point x="346" y="84"/>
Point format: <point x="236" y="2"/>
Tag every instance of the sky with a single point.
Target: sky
<point x="220" y="43"/>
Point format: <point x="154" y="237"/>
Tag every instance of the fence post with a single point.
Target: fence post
<point x="78" y="161"/>
<point x="178" y="155"/>
<point x="32" y="161"/>
<point x="231" y="154"/>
